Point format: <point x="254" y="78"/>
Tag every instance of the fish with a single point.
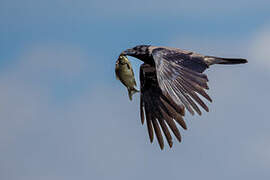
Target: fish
<point x="124" y="73"/>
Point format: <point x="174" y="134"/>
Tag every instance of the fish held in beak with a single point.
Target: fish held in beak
<point x="124" y="72"/>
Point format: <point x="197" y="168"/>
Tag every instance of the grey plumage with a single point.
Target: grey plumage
<point x="171" y="80"/>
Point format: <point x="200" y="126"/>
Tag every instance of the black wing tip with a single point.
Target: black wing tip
<point x="244" y="61"/>
<point x="184" y="127"/>
<point x="169" y="143"/>
<point x="179" y="139"/>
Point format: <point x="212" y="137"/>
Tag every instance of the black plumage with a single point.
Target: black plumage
<point x="171" y="81"/>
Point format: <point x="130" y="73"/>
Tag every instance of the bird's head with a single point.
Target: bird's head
<point x="141" y="52"/>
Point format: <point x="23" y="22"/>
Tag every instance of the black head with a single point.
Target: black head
<point x="141" y="52"/>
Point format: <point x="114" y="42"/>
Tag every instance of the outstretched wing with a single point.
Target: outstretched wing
<point x="160" y="110"/>
<point x="180" y="77"/>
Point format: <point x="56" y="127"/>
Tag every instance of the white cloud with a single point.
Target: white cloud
<point x="25" y="86"/>
<point x="260" y="48"/>
<point x="58" y="59"/>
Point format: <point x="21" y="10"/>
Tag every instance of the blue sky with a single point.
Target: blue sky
<point x="63" y="115"/>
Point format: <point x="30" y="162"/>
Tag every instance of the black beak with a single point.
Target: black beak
<point x="128" y="52"/>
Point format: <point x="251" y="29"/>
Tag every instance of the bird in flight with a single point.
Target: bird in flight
<point x="171" y="81"/>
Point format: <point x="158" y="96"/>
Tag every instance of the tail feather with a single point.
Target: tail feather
<point x="219" y="60"/>
<point x="131" y="92"/>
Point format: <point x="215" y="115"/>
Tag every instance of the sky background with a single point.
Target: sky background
<point x="64" y="116"/>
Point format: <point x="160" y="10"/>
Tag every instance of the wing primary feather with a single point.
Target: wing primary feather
<point x="192" y="76"/>
<point x="149" y="125"/>
<point x="171" y="124"/>
<point x="165" y="130"/>
<point x="196" y="98"/>
<point x="158" y="132"/>
<point x="141" y="109"/>
<point x="200" y="78"/>
<point x="196" y="80"/>
<point x="173" y="114"/>
<point x="186" y="93"/>
<point x="182" y="99"/>
<point x="196" y="88"/>
<point x="178" y="108"/>
<point x="158" y="116"/>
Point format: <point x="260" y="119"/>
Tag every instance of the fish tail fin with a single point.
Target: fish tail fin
<point x="131" y="92"/>
<point x="219" y="60"/>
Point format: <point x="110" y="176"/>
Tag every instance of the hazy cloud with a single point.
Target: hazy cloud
<point x="259" y="48"/>
<point x="58" y="59"/>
